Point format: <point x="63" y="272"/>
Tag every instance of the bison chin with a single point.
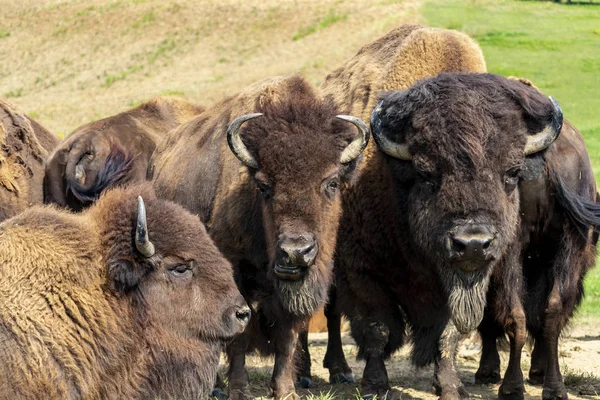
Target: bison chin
<point x="466" y="296"/>
<point x="304" y="297"/>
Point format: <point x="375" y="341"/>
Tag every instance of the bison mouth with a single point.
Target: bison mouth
<point x="294" y="273"/>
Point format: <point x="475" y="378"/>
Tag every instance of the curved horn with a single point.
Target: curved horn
<point x="235" y="141"/>
<point x="142" y="243"/>
<point x="548" y="135"/>
<point x="359" y="143"/>
<point x="391" y="148"/>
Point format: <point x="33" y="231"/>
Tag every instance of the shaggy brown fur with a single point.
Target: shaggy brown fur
<point x="24" y="146"/>
<point x="294" y="192"/>
<point x="557" y="197"/>
<point x="395" y="61"/>
<point x="466" y="134"/>
<point x="83" y="315"/>
<point x="112" y="151"/>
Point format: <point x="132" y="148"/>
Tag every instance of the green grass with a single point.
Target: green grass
<point x="14" y="93"/>
<point x="591" y="302"/>
<point x="331" y="18"/>
<point x="111" y="79"/>
<point x="557" y="47"/>
<point x="147" y="19"/>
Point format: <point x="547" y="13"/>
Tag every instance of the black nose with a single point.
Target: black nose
<point x="472" y="245"/>
<point x="243" y="315"/>
<point x="299" y="251"/>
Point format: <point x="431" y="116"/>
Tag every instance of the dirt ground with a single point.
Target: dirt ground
<point x="579" y="352"/>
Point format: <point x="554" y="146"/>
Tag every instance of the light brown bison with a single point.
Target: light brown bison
<point x="112" y="151"/>
<point x="270" y="194"/>
<point x="394" y="61"/>
<point x="24" y="146"/>
<point x="113" y="303"/>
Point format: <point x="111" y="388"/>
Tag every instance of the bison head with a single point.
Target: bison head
<point x="181" y="285"/>
<point x="455" y="145"/>
<point x="300" y="155"/>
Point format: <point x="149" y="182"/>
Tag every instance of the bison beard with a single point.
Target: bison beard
<point x="466" y="296"/>
<point x="303" y="297"/>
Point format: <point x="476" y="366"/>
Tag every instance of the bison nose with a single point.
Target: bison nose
<point x="243" y="315"/>
<point x="297" y="252"/>
<point x="294" y="256"/>
<point x="472" y="246"/>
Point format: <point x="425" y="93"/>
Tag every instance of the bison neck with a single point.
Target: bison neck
<point x="177" y="367"/>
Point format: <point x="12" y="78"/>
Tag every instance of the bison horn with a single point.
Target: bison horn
<point x="142" y="243"/>
<point x="389" y="147"/>
<point x="359" y="143"/>
<point x="548" y="135"/>
<point x="235" y="142"/>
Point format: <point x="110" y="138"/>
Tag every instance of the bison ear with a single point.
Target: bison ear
<point x="124" y="275"/>
<point x="538" y="110"/>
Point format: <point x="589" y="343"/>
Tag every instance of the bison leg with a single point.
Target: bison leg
<point x="282" y="381"/>
<point x="489" y="364"/>
<point x="375" y="382"/>
<point x="446" y="382"/>
<point x="303" y="362"/>
<point x="512" y="387"/>
<point x="237" y="374"/>
<point x="538" y="361"/>
<point x="554" y="389"/>
<point x="335" y="361"/>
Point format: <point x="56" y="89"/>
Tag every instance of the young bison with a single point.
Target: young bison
<point x="109" y="304"/>
<point x="270" y="194"/>
<point x="109" y="152"/>
<point x="24" y="147"/>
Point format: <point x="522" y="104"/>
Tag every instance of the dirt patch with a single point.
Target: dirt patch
<point x="579" y="358"/>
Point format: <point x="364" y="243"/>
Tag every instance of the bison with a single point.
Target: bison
<point x="558" y="212"/>
<point x="269" y="192"/>
<point x="112" y="151"/>
<point x="113" y="303"/>
<point x="24" y="146"/>
<point x="394" y="61"/>
<point x="462" y="163"/>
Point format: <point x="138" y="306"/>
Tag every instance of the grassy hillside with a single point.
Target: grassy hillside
<point x="67" y="62"/>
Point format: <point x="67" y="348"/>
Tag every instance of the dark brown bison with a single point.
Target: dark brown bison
<point x="113" y="303"/>
<point x="269" y="192"/>
<point x="112" y="151"/>
<point x="24" y="146"/>
<point x="463" y="157"/>
<point x="392" y="62"/>
<point x="557" y="196"/>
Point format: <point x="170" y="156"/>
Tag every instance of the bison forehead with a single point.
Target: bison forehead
<point x="475" y="140"/>
<point x="307" y="156"/>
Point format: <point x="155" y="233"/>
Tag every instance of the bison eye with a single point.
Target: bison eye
<point x="511" y="179"/>
<point x="265" y="190"/>
<point x="180" y="270"/>
<point x="333" y="186"/>
<point x="330" y="186"/>
<point x="427" y="180"/>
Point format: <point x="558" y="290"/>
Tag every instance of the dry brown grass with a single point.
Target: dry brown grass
<point x="68" y="62"/>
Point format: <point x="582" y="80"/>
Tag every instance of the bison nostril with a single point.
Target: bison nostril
<point x="243" y="315"/>
<point x="486" y="244"/>
<point x="458" y="245"/>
